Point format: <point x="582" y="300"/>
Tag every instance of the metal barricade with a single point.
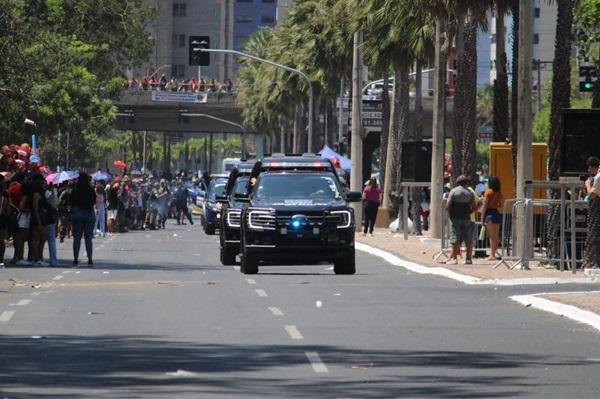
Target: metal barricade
<point x="553" y="229"/>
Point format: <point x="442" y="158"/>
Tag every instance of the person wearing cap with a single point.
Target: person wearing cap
<point x="460" y="204"/>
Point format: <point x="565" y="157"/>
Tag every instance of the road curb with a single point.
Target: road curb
<point x="464" y="278"/>
<point x="415" y="267"/>
<point x="572" y="312"/>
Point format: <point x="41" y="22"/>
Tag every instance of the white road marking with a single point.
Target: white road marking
<point x="36" y="293"/>
<point x="237" y="268"/>
<point x="251" y="281"/>
<point x="316" y="363"/>
<point x="293" y="332"/>
<point x="66" y="272"/>
<point x="6" y="316"/>
<point x="23" y="302"/>
<point x="57" y="278"/>
<point x="469" y="280"/>
<point x="261" y="292"/>
<point x="569" y="311"/>
<point x="276" y="311"/>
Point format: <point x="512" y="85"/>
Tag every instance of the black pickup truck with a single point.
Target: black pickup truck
<point x="231" y="210"/>
<point x="297" y="213"/>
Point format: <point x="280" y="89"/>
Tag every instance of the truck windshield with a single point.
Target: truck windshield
<point x="217" y="188"/>
<point x="241" y="185"/>
<point x="298" y="186"/>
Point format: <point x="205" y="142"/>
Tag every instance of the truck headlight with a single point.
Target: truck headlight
<point x="345" y="219"/>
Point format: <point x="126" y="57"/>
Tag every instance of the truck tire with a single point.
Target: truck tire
<point x="345" y="264"/>
<point x="249" y="263"/>
<point x="227" y="256"/>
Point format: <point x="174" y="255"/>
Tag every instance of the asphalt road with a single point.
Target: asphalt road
<point x="159" y="317"/>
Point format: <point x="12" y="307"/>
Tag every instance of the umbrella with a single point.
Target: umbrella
<point x="99" y="176"/>
<point x="120" y="164"/>
<point x="58" y="178"/>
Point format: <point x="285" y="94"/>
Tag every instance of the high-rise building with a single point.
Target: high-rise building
<point x="249" y="16"/>
<point x="228" y="23"/>
<point x="282" y="9"/>
<point x="544" y="32"/>
<point x="175" y="22"/>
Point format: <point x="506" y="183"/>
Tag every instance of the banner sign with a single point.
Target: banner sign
<point x="179" y="97"/>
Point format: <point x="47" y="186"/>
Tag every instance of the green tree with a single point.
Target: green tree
<point x="64" y="75"/>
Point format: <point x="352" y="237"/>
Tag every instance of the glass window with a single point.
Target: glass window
<point x="179" y="9"/>
<point x="244" y="1"/>
<point x="241" y="184"/>
<point x="536" y="38"/>
<point x="268" y="1"/>
<point x="244" y="19"/>
<point x="298" y="186"/>
<point x="267" y="20"/>
<point x="217" y="187"/>
<point x="536" y="12"/>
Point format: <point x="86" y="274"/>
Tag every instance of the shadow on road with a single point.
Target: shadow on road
<point x="139" y="364"/>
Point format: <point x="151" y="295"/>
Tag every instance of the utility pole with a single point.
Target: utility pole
<point x="144" y="151"/>
<point x="438" y="128"/>
<point x="524" y="159"/>
<point x="341" y="116"/>
<point x="356" y="154"/>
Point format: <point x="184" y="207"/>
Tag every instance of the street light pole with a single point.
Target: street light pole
<point x="287" y="68"/>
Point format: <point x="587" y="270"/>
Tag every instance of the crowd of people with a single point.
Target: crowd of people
<point x="35" y="213"/>
<point x="191" y="85"/>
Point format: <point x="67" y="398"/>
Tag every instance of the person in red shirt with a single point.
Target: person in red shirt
<point x="372" y="198"/>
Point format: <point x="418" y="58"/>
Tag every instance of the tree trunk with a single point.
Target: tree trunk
<point x="418" y="136"/>
<point x="282" y="138"/>
<point x="469" y="122"/>
<point x="459" y="100"/>
<point x="596" y="93"/>
<point x="561" y="83"/>
<point x="418" y="128"/>
<point x="514" y="108"/>
<point x="390" y="161"/>
<point x="501" y="118"/>
<point x="438" y="127"/>
<point x="385" y="126"/>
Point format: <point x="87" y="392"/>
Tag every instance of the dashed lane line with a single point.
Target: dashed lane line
<point x="261" y="292"/>
<point x="236" y="268"/>
<point x="23" y="302"/>
<point x="66" y="272"/>
<point x="293" y="332"/>
<point x="276" y="311"/>
<point x="56" y="278"/>
<point x="251" y="281"/>
<point x="316" y="363"/>
<point x="6" y="316"/>
<point x="36" y="293"/>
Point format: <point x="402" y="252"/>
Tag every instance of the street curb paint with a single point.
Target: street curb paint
<point x="466" y="279"/>
<point x="569" y="311"/>
<point x="415" y="267"/>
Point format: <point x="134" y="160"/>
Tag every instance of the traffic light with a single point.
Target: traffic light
<point x="587" y="78"/>
<point x="197" y="57"/>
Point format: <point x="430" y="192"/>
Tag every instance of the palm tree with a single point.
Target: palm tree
<point x="501" y="118"/>
<point x="561" y="83"/>
<point x="390" y="28"/>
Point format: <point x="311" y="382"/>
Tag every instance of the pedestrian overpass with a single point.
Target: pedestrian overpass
<point x="185" y="112"/>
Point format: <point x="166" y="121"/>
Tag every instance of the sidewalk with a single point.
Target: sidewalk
<point x="582" y="306"/>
